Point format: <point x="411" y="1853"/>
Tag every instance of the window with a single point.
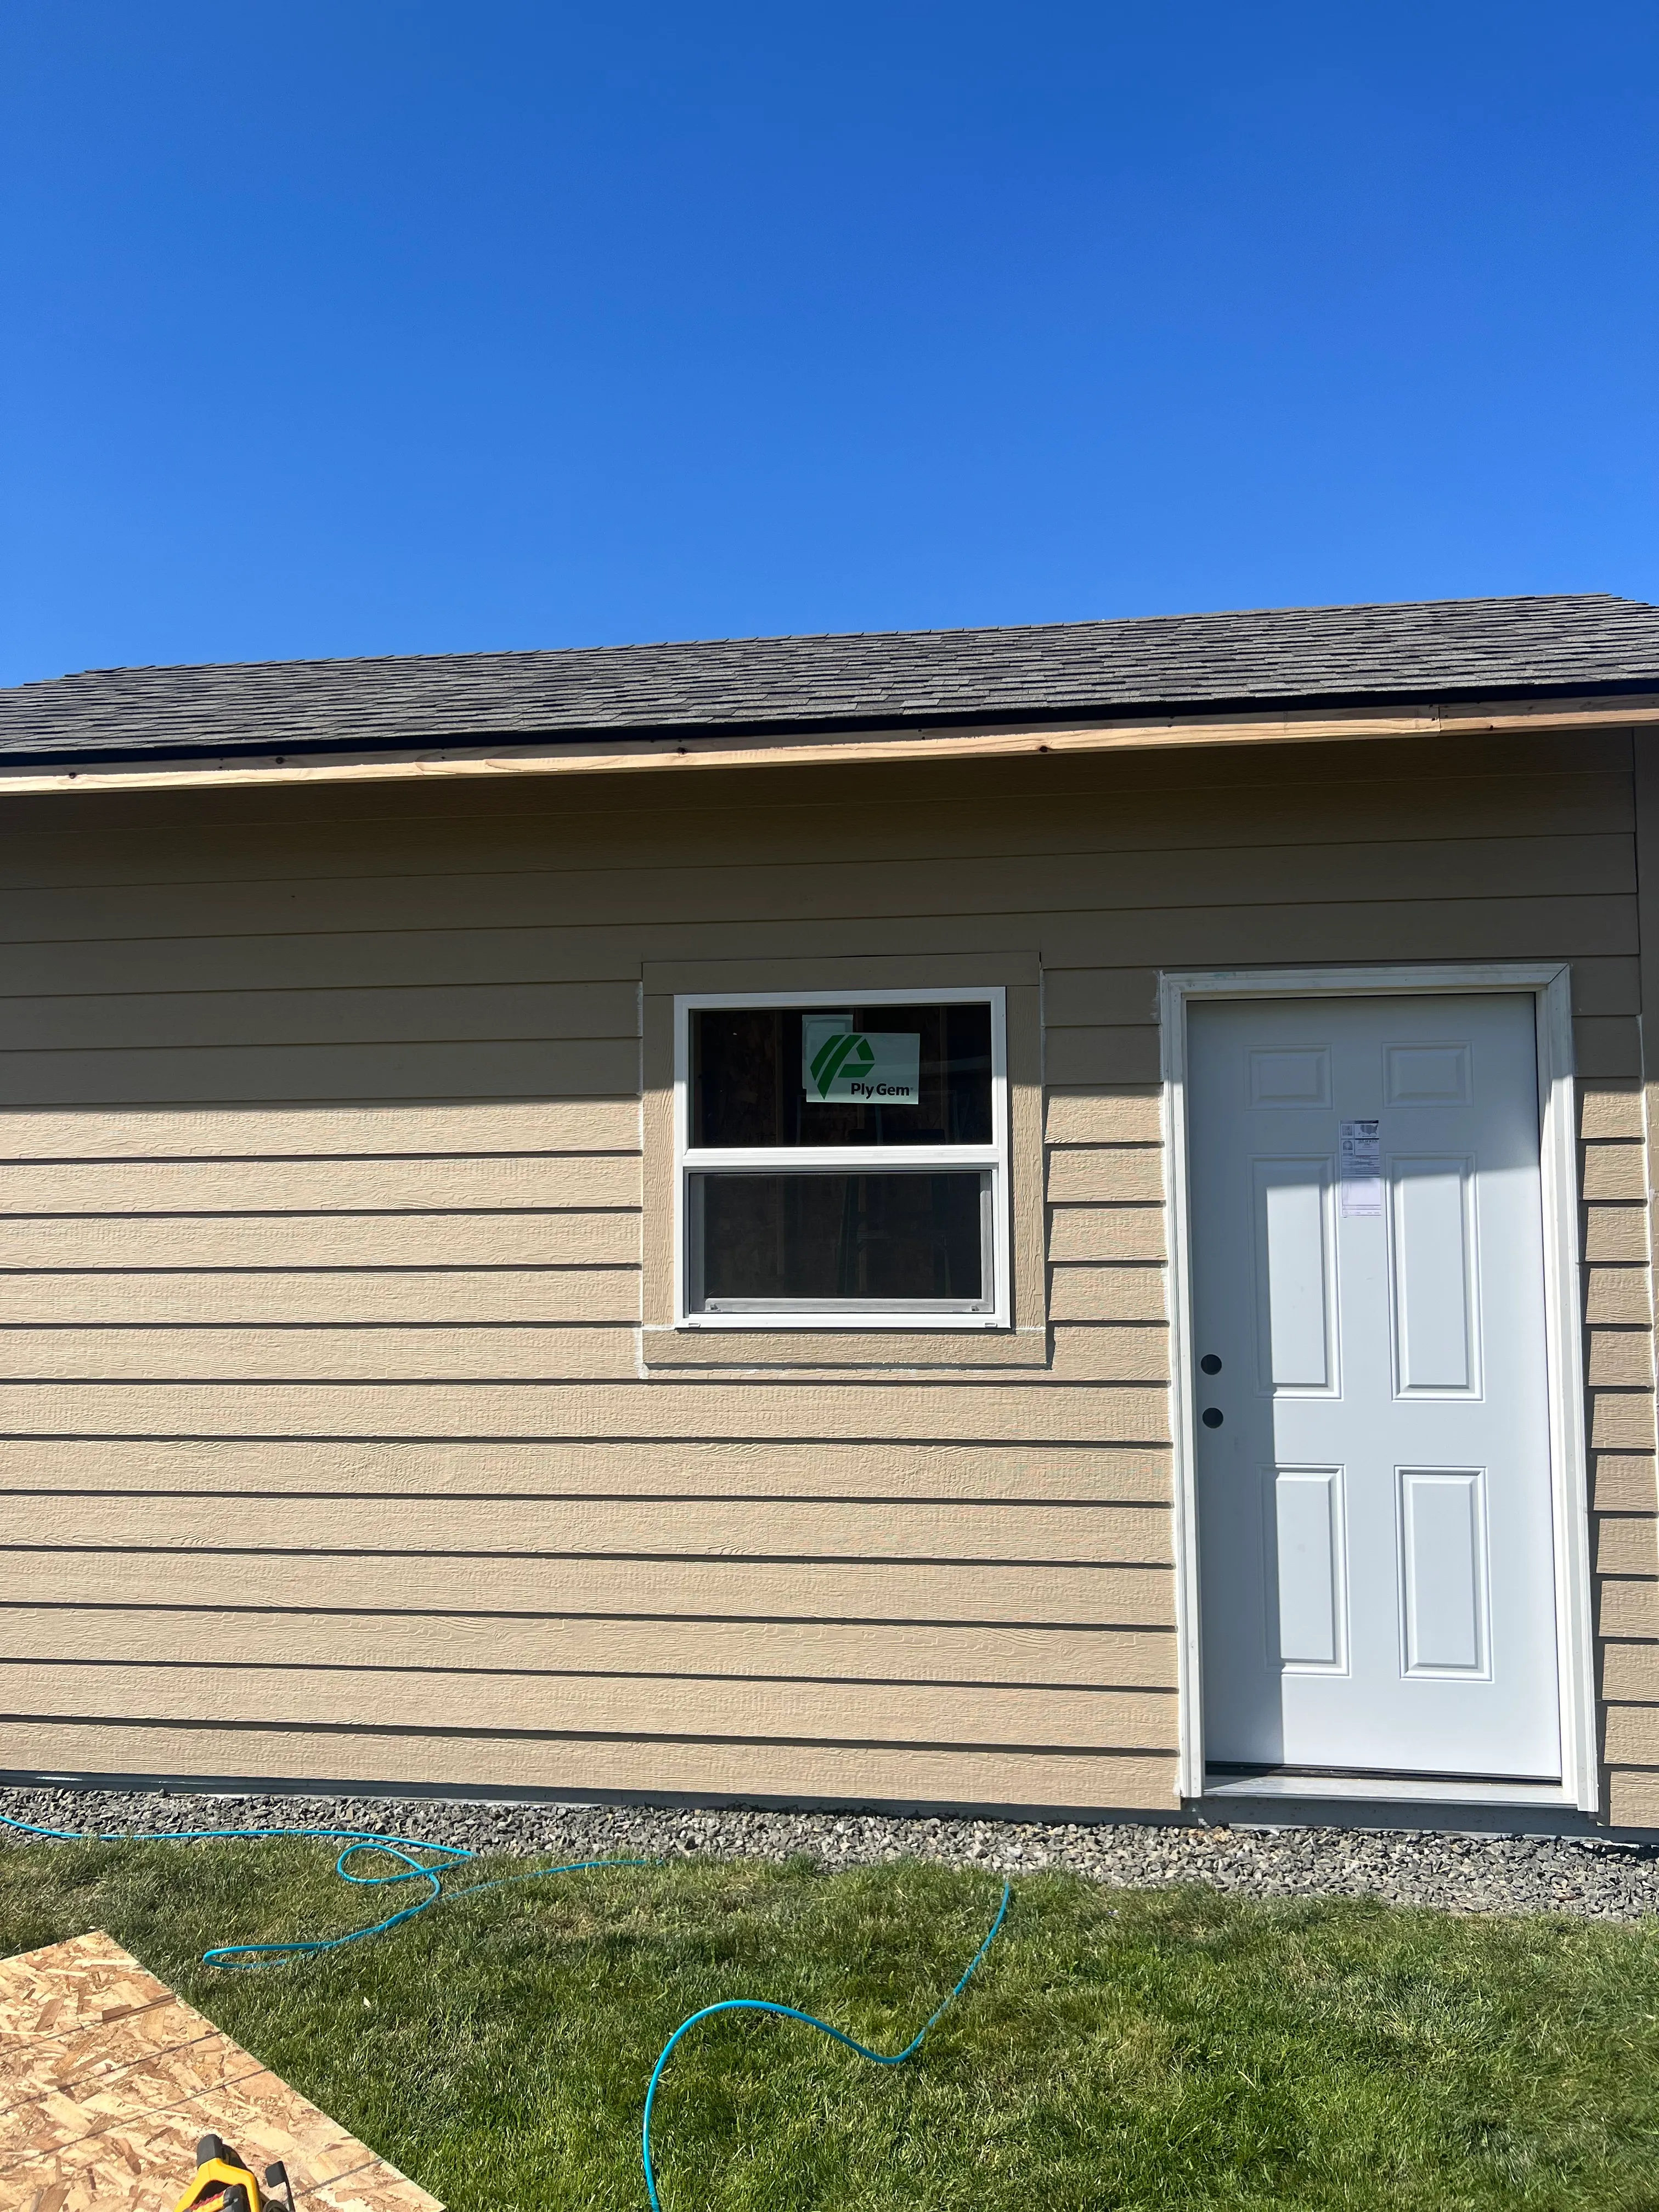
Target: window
<point x="843" y="1160"/>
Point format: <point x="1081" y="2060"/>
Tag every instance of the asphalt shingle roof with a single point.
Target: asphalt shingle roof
<point x="1432" y="649"/>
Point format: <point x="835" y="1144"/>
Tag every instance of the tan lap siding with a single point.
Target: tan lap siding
<point x="326" y="1445"/>
<point x="1619" y="1321"/>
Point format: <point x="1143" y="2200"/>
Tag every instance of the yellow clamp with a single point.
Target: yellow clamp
<point x="220" y="2174"/>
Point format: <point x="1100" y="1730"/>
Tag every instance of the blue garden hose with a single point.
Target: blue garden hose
<point x="245" y="1958"/>
<point x="788" y="2012"/>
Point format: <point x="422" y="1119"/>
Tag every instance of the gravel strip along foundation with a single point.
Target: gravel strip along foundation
<point x="1463" y="1873"/>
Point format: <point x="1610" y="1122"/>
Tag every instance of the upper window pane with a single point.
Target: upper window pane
<point x="881" y="1075"/>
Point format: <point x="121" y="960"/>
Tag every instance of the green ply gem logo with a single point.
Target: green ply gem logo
<point x="842" y="1066"/>
<point x="851" y="1055"/>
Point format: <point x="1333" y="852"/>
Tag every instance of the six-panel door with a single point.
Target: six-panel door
<point x="1374" y="1502"/>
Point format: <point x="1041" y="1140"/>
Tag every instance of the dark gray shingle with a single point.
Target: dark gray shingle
<point x="1432" y="649"/>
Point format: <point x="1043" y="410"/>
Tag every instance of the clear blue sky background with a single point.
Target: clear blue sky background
<point x="363" y="327"/>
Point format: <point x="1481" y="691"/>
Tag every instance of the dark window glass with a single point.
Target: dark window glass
<point x="747" y="1087"/>
<point x="828" y="1238"/>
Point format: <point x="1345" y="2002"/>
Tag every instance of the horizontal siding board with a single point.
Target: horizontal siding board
<point x="1594" y="927"/>
<point x="894" y="1651"/>
<point x="1632" y="1735"/>
<point x="1105" y="1055"/>
<point x="289" y="1341"/>
<point x="720" y="1589"/>
<point x="1596" y="931"/>
<point x="1609" y="1109"/>
<point x="1621" y="1358"/>
<point x="1108" y="1293"/>
<point x="1090" y="998"/>
<point x="1000" y="1411"/>
<point x="1187" y="811"/>
<point x="465" y="951"/>
<point x="455" y="957"/>
<point x="460" y="957"/>
<point x="1108" y="1175"/>
<point x="1408" y="871"/>
<point x="1115" y="1351"/>
<point x="1614" y="1234"/>
<point x="343" y="1296"/>
<point x="524" y="1239"/>
<point x="633" y="1706"/>
<point x="438" y="1351"/>
<point x="1626" y="1546"/>
<point x="416" y="1013"/>
<point x="1607" y="986"/>
<point x="1623" y="1482"/>
<point x="1633" y="1800"/>
<point x="1627" y="1608"/>
<point x="662" y="1528"/>
<point x="486" y="1470"/>
<point x="485" y="1125"/>
<point x="1616" y="1172"/>
<point x="1106" y="1233"/>
<point x="574" y="1767"/>
<point x="539" y="1181"/>
<point x="299" y="1072"/>
<point x="1622" y="1420"/>
<point x="1630" y="1674"/>
<point x="1591" y="925"/>
<point x="1121" y="1114"/>
<point x="1619" y="1295"/>
<point x="1610" y="1047"/>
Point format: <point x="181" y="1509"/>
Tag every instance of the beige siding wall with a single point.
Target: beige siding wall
<point x="326" y="1445"/>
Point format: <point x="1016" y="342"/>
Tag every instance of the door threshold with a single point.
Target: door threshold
<point x="1387" y="1789"/>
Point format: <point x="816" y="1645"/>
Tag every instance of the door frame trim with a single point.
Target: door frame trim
<point x="1550" y="985"/>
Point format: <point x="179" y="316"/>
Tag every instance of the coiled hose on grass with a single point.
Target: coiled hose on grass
<point x="245" y="1958"/>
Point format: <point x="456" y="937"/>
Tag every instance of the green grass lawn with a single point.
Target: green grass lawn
<point x="1169" y="2048"/>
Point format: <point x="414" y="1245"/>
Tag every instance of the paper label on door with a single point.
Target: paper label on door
<point x="1360" y="1171"/>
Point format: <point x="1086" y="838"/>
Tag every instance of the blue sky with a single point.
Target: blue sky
<point x="363" y="327"/>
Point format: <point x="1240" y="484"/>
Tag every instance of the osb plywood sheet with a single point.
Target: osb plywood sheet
<point x="107" y="2079"/>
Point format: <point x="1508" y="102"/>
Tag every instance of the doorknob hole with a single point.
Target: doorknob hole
<point x="1209" y="1363"/>
<point x="1213" y="1417"/>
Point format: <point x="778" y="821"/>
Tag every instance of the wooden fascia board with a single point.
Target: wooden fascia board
<point x="623" y="754"/>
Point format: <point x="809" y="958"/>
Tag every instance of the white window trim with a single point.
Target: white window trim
<point x="796" y="1159"/>
<point x="1550" y="984"/>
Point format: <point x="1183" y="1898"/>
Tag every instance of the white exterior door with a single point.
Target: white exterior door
<point x="1375" y="1516"/>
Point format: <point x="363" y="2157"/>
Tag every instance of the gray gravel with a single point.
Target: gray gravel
<point x="1464" y="1873"/>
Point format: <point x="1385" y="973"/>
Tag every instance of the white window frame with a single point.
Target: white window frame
<point x="825" y="1159"/>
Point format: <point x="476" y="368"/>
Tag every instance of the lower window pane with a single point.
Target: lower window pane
<point x="835" y="1240"/>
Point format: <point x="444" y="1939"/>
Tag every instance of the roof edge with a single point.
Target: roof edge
<point x="817" y="729"/>
<point x="634" y="751"/>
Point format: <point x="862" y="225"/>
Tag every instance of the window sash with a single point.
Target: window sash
<point x="862" y="1159"/>
<point x="699" y="1306"/>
